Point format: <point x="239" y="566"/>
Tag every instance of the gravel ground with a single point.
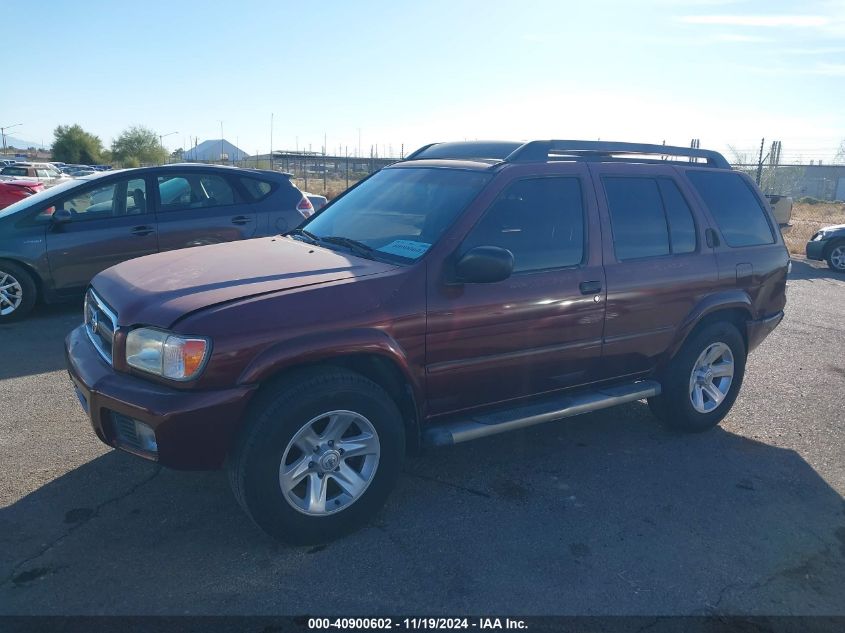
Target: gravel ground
<point x="605" y="513"/>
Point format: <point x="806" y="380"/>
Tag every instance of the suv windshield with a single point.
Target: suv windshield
<point x="398" y="212"/>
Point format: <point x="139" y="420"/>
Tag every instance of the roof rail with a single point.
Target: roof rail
<point x="542" y="150"/>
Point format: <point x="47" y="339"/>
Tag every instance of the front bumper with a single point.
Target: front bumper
<point x="815" y="250"/>
<point x="758" y="330"/>
<point x="193" y="429"/>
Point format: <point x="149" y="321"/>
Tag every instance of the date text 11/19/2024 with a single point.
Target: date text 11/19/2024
<point x="431" y="624"/>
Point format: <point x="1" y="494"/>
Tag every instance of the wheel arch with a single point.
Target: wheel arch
<point x="374" y="355"/>
<point x="36" y="278"/>
<point x="734" y="307"/>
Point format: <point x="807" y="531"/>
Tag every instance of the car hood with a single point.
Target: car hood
<point x="835" y="227"/>
<point x="159" y="289"/>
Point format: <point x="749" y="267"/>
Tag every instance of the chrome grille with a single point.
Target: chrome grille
<point x="100" y="324"/>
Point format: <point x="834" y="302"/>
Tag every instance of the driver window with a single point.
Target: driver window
<point x="539" y="220"/>
<point x="93" y="204"/>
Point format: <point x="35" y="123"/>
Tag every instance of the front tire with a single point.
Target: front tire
<point x="836" y="257"/>
<point x="703" y="380"/>
<point x="18" y="292"/>
<point x="318" y="456"/>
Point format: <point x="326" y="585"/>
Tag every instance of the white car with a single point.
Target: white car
<point x="42" y="172"/>
<point x="781" y="208"/>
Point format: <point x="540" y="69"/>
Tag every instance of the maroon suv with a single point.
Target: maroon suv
<point x="471" y="289"/>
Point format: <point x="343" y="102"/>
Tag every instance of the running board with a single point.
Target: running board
<point x="554" y="408"/>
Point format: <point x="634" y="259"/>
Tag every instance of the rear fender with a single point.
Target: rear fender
<point x="736" y="304"/>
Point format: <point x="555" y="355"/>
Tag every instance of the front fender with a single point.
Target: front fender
<point x="320" y="347"/>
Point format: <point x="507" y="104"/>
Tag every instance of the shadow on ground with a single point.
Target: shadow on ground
<point x="35" y="345"/>
<point x="602" y="514"/>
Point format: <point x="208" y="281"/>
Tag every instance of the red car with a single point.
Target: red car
<point x="13" y="190"/>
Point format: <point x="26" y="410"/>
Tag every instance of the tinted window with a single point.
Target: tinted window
<point x="734" y="206"/>
<point x="194" y="191"/>
<point x="136" y="197"/>
<point x="636" y="217"/>
<point x="256" y="189"/>
<point x="400" y="212"/>
<point x="539" y="220"/>
<point x="218" y="190"/>
<point x="15" y="171"/>
<point x="681" y="224"/>
<point x="92" y="204"/>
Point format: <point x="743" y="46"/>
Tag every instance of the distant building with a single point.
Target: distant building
<point x="215" y="150"/>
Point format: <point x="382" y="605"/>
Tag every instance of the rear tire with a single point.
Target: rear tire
<point x="298" y="474"/>
<point x="18" y="292"/>
<point x="703" y="380"/>
<point x="836" y="257"/>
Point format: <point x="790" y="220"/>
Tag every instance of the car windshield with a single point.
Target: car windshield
<point x="36" y="199"/>
<point x="398" y="213"/>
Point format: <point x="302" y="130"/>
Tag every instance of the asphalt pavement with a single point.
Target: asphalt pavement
<point x="606" y="513"/>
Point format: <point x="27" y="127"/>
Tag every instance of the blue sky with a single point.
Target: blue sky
<point x="727" y="72"/>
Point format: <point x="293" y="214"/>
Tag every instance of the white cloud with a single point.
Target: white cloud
<point x="739" y="37"/>
<point x="758" y="20"/>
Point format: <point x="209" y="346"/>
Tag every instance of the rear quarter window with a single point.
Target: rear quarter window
<point x="732" y="203"/>
<point x="255" y="188"/>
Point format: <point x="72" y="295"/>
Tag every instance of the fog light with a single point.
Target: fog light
<point x="146" y="437"/>
<point x="134" y="435"/>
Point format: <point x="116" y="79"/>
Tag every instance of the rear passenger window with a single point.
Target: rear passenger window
<point x="194" y="191"/>
<point x="649" y="217"/>
<point x="681" y="224"/>
<point x="734" y="206"/>
<point x="256" y="189"/>
<point x="539" y="220"/>
<point x="636" y="217"/>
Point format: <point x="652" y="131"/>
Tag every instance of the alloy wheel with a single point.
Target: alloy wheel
<point x="11" y="294"/>
<point x="329" y="463"/>
<point x="711" y="377"/>
<point x="837" y="257"/>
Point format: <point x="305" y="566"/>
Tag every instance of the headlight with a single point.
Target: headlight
<point x="818" y="236"/>
<point x="165" y="354"/>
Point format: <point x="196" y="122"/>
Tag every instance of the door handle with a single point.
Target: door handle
<point x="590" y="287"/>
<point x="141" y="231"/>
<point x="241" y="219"/>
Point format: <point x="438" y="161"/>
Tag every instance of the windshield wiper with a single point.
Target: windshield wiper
<point x="359" y="248"/>
<point x="306" y="234"/>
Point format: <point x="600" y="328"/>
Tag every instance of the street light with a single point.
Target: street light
<point x="161" y="138"/>
<point x="3" y="133"/>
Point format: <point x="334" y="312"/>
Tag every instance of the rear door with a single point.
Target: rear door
<point x="111" y="222"/>
<point x="539" y="330"/>
<point x="657" y="263"/>
<point x="196" y="208"/>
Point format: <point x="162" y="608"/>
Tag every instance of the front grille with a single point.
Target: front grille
<point x="100" y="324"/>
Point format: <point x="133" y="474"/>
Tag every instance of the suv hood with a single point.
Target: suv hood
<point x="159" y="289"/>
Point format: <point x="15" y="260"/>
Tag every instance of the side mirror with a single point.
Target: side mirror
<point x="484" y="265"/>
<point x="61" y="216"/>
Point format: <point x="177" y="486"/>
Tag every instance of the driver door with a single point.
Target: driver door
<point x="538" y="331"/>
<point x="110" y="223"/>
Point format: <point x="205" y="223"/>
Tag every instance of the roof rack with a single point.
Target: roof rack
<point x="511" y="152"/>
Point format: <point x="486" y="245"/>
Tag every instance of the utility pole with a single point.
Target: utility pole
<point x="3" y="133"/>
<point x="161" y="138"/>
<point x="272" y="157"/>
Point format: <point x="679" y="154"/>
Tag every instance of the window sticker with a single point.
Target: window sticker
<point x="405" y="248"/>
